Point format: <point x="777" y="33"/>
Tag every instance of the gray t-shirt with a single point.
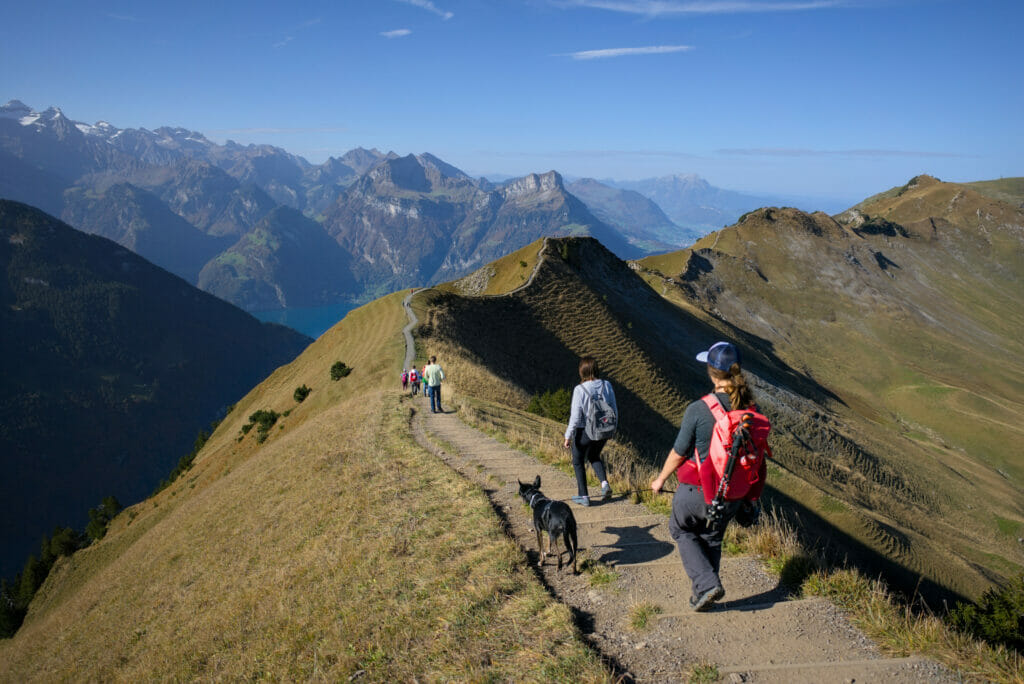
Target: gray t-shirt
<point x="696" y="428"/>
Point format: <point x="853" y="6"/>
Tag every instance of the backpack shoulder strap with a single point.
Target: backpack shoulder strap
<point x="713" y="403"/>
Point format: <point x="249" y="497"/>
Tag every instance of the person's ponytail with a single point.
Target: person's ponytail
<point x="740" y="396"/>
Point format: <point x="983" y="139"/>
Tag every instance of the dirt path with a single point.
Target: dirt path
<point x="757" y="633"/>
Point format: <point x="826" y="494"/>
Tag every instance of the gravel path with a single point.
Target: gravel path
<point x="757" y="633"/>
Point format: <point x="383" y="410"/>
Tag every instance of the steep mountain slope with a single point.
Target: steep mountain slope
<point x="332" y="550"/>
<point x="138" y="220"/>
<point x="638" y="218"/>
<point x="285" y="260"/>
<point x="908" y="309"/>
<point x="111" y="366"/>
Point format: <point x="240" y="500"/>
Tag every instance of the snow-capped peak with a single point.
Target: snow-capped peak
<point x="15" y="109"/>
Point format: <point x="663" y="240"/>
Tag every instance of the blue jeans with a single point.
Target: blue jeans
<point x="435" y="397"/>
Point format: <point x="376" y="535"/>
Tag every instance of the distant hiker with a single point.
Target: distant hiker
<point x="405" y="379"/>
<point x="433" y="374"/>
<point x="593" y="418"/>
<point x="423" y="378"/>
<point x="699" y="539"/>
<point x="414" y="379"/>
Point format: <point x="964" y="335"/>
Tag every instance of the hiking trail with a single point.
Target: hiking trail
<point x="757" y="632"/>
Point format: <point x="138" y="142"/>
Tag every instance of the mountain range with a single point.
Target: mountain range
<point x="191" y="206"/>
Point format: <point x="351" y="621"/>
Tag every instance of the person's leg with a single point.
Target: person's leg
<point x="436" y="398"/>
<point x="593" y="451"/>
<point x="594" y="456"/>
<point x="686" y="525"/>
<point x="578" y="463"/>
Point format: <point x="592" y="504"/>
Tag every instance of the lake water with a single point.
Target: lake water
<point x="313" y="321"/>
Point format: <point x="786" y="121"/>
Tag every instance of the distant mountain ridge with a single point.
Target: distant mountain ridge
<point x="692" y="202"/>
<point x="398" y="221"/>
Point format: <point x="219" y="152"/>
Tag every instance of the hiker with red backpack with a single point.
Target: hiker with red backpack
<point x="414" y="380"/>
<point x="719" y="461"/>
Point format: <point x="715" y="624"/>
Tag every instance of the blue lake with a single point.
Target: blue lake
<point x="313" y="321"/>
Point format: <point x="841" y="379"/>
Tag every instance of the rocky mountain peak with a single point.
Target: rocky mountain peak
<point x="15" y="109"/>
<point x="534" y="184"/>
<point x="402" y="173"/>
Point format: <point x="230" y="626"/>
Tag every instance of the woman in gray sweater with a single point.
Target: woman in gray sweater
<point x="584" y="449"/>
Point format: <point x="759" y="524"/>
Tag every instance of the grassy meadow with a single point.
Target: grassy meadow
<point x="338" y="547"/>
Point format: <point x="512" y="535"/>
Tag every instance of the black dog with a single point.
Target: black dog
<point x="553" y="517"/>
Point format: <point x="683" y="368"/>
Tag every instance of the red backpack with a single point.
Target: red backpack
<point x="742" y="434"/>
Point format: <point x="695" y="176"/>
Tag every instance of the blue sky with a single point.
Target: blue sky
<point x="839" y="98"/>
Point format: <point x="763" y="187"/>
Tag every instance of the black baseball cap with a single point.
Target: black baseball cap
<point x="721" y="356"/>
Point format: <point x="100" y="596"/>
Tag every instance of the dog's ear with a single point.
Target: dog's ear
<point x="536" y="483"/>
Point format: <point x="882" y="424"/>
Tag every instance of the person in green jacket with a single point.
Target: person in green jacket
<point x="433" y="375"/>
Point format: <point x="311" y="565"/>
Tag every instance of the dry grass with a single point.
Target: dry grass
<point x="338" y="546"/>
<point x="898" y="628"/>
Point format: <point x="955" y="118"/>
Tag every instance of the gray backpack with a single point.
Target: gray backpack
<point x="601" y="419"/>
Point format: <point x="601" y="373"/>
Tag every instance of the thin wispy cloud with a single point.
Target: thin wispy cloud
<point x="397" y="33"/>
<point x="654" y="8"/>
<point x="430" y="7"/>
<point x="295" y="29"/>
<point x="627" y="52"/>
<point x="801" y="152"/>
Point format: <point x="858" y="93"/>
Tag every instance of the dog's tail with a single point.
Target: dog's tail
<point x="571" y="543"/>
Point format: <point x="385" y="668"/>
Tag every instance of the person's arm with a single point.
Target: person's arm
<point x="681" y="450"/>
<point x="672" y="463"/>
<point x="575" y="414"/>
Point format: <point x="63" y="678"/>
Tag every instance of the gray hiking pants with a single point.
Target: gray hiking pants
<point x="699" y="547"/>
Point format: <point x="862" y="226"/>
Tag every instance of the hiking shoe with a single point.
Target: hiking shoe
<point x="606" y="491"/>
<point x="581" y="500"/>
<point x="704" y="601"/>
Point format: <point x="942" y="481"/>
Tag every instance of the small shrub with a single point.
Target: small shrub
<point x="553" y="404"/>
<point x="997" y="618"/>
<point x="263" y="419"/>
<point x="522" y="263"/>
<point x="339" y="370"/>
<point x="100" y="517"/>
<point x="301" y="393"/>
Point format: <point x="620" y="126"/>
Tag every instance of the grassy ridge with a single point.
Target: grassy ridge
<point x="336" y="546"/>
<point x="913" y="322"/>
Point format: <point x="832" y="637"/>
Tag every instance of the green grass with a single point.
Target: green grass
<point x="641" y="614"/>
<point x="1010" y="528"/>
<point x="598" y="574"/>
<point x="703" y="673"/>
